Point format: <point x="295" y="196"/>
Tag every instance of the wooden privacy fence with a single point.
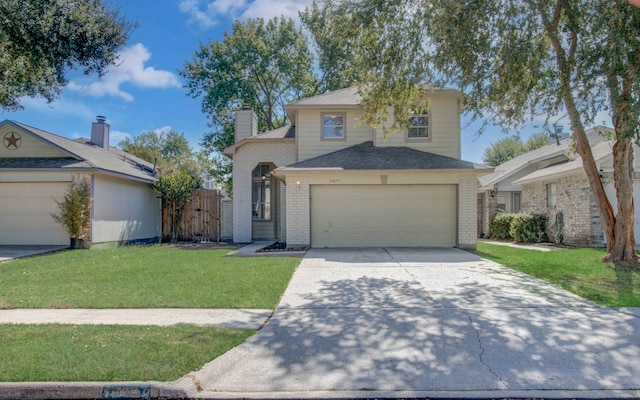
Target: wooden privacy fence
<point x="200" y="220"/>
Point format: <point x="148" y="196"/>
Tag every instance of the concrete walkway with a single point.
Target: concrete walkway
<point x="241" y="318"/>
<point x="391" y="323"/>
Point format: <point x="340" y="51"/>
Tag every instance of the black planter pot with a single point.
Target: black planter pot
<point x="75" y="243"/>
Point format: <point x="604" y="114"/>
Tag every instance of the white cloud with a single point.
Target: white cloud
<point x="129" y="69"/>
<point x="268" y="9"/>
<point x="206" y="13"/>
<point x="202" y="18"/>
<point x="116" y="137"/>
<point x="163" y="130"/>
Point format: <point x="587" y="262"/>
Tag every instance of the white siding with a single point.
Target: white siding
<point x="309" y="132"/>
<point x="124" y="210"/>
<point x="444" y="121"/>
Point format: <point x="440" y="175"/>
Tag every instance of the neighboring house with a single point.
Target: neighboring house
<point x="499" y="192"/>
<point x="328" y="181"/>
<point x="37" y="167"/>
<point x="564" y="188"/>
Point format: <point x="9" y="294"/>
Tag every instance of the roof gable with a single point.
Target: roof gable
<point x="78" y="154"/>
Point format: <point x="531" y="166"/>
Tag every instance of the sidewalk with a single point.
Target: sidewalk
<point x="227" y="318"/>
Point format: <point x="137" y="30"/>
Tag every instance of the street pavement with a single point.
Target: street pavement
<point x="426" y="323"/>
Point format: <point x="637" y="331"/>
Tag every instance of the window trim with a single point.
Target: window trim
<point x="429" y="130"/>
<point x="344" y="126"/>
<point x="552" y="194"/>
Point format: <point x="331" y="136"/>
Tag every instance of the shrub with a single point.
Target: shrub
<point x="528" y="227"/>
<point x="75" y="210"/>
<point x="500" y="226"/>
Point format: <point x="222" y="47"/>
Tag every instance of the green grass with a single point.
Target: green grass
<point x="109" y="353"/>
<point x="576" y="270"/>
<point x="144" y="277"/>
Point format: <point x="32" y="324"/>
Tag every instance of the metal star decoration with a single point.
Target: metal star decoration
<point x="12" y="141"/>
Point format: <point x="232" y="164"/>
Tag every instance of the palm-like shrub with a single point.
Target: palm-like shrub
<point x="75" y="210"/>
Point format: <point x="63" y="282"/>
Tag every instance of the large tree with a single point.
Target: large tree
<point x="262" y="65"/>
<point x="157" y="146"/>
<point x="334" y="54"/>
<point x="40" y="41"/>
<point x="510" y="147"/>
<point x="514" y="59"/>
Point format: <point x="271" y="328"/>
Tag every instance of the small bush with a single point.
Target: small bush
<point x="500" y="226"/>
<point x="528" y="228"/>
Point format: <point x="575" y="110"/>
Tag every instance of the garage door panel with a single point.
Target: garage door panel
<point x="25" y="213"/>
<point x="383" y="215"/>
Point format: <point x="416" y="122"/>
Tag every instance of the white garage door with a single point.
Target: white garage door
<point x="383" y="215"/>
<point x="25" y="214"/>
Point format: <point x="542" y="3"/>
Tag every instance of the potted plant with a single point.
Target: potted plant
<point x="75" y="213"/>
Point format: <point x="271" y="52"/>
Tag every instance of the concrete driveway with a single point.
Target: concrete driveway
<point x="427" y="322"/>
<point x="11" y="252"/>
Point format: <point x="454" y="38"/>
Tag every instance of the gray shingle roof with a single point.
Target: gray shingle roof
<point x="342" y="97"/>
<point x="365" y="156"/>
<point x="503" y="171"/>
<point x="284" y="132"/>
<point x="82" y="155"/>
<point x="599" y="151"/>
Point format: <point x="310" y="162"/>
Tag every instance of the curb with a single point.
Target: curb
<point x="90" y="390"/>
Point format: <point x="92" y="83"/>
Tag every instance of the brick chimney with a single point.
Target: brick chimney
<point x="100" y="132"/>
<point x="246" y="124"/>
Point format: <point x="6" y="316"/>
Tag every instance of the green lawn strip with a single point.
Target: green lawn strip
<point x="68" y="353"/>
<point x="144" y="277"/>
<point x="576" y="270"/>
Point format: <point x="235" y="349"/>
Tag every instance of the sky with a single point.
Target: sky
<point x="144" y="92"/>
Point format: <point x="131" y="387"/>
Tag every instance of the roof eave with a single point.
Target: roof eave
<point x="324" y="170"/>
<point x="231" y="150"/>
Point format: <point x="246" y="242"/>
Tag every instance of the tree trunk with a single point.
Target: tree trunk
<point x="622" y="248"/>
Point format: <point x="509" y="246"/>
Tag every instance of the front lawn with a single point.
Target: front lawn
<point x="105" y="353"/>
<point x="144" y="277"/>
<point x="129" y="277"/>
<point x="576" y="270"/>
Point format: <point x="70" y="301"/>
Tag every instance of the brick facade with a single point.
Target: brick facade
<point x="248" y="156"/>
<point x="226" y="219"/>
<point x="299" y="208"/>
<point x="573" y="197"/>
<point x="467" y="211"/>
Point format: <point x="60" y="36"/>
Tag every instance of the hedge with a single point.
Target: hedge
<point x="522" y="227"/>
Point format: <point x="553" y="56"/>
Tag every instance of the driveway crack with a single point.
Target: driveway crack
<point x="482" y="350"/>
<point x="415" y="280"/>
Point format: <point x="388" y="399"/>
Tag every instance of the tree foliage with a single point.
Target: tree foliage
<point x="514" y="60"/>
<point x="175" y="185"/>
<point x="156" y="146"/>
<point x="262" y="65"/>
<point x="511" y="147"/>
<point x="334" y="53"/>
<point x="180" y="170"/>
<point x="40" y="41"/>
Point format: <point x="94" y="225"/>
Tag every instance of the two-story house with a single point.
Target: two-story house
<point x="328" y="181"/>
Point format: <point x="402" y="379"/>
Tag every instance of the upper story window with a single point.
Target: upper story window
<point x="551" y="195"/>
<point x="418" y="126"/>
<point x="333" y="126"/>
